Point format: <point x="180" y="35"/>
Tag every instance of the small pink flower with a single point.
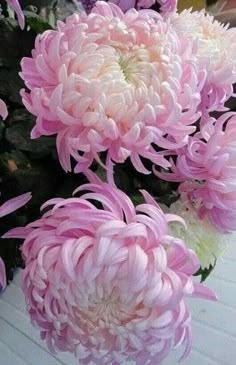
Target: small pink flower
<point x="109" y="283"/>
<point x="206" y="170"/>
<point x="114" y="82"/>
<point x="14" y="4"/>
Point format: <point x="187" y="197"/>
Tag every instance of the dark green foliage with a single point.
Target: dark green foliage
<point x="36" y="22"/>
<point x="204" y="273"/>
<point x="131" y="181"/>
<point x="20" y="124"/>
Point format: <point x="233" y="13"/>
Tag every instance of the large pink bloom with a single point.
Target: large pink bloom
<point x="216" y="52"/>
<point x="109" y="284"/>
<point x="115" y="82"/>
<point x="207" y="169"/>
<point x="8" y="207"/>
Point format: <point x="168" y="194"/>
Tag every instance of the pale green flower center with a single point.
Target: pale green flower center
<point x="129" y="66"/>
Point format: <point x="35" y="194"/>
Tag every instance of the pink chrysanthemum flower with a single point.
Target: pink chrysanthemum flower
<point x="115" y="82"/>
<point x="109" y="283"/>
<point x="216" y="54"/>
<point x="207" y="172"/>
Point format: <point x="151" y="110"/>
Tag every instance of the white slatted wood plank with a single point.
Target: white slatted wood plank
<point x="211" y="315"/>
<point x="20" y="319"/>
<point x="226" y="272"/>
<point x="216" y="344"/>
<point x="195" y="358"/>
<point x="23" y="346"/>
<point x="13" y="296"/>
<point x="7" y="356"/>
<point x="226" y="291"/>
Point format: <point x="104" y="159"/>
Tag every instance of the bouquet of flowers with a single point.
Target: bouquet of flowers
<point x="129" y="102"/>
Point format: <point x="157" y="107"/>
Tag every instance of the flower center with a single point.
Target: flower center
<point x="108" y="311"/>
<point x="129" y="66"/>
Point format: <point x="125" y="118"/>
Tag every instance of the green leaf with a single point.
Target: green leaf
<point x="10" y="84"/>
<point x="18" y="135"/>
<point x="2" y="127"/>
<point x="19" y="175"/>
<point x="36" y="22"/>
<point x="11" y="37"/>
<point x="137" y="199"/>
<point x="204" y="273"/>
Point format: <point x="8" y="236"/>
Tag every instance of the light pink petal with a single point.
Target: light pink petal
<point x="17" y="8"/>
<point x="14" y="204"/>
<point x="19" y="232"/>
<point x="3" y="280"/>
<point x="201" y="291"/>
<point x="3" y="110"/>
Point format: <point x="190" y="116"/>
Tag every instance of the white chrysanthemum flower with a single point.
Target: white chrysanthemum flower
<point x="200" y="235"/>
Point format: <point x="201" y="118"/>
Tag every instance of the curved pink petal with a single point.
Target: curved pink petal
<point x="19" y="13"/>
<point x="3" y="110"/>
<point x="3" y="280"/>
<point x="15" y="203"/>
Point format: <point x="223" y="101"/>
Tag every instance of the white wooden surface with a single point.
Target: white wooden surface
<point x="214" y="326"/>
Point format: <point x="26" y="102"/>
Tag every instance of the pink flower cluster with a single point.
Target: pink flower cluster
<point x="207" y="172"/>
<point x="114" y="82"/>
<point x="109" y="283"/>
<point x="105" y="279"/>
